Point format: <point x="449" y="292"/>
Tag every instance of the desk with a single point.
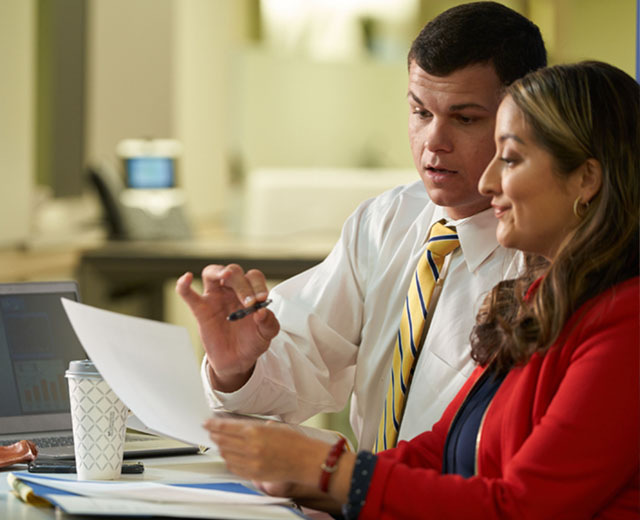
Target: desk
<point x="19" y="265"/>
<point x="118" y="269"/>
<point x="186" y="468"/>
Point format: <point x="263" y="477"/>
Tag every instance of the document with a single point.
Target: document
<point x="75" y="505"/>
<point x="208" y="500"/>
<point x="146" y="491"/>
<point x="150" y="366"/>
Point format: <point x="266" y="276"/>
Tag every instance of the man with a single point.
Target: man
<point x="336" y="326"/>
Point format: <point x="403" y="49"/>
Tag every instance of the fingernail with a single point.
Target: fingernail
<point x="262" y="296"/>
<point x="249" y="300"/>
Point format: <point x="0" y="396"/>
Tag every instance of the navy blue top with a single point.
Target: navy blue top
<point x="460" y="446"/>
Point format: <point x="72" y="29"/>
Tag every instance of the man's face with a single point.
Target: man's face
<point x="451" y="124"/>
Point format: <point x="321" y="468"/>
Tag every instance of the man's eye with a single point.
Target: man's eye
<point x="466" y="120"/>
<point x="421" y="112"/>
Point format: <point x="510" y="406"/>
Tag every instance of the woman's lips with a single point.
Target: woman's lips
<point x="498" y="210"/>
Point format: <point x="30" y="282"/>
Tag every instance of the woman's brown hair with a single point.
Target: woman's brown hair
<point x="589" y="110"/>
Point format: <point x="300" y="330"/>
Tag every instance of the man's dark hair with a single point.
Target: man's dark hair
<point x="479" y="33"/>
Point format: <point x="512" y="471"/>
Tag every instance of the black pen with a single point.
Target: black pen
<point x="239" y="314"/>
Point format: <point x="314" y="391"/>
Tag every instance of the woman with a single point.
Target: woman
<point x="548" y="424"/>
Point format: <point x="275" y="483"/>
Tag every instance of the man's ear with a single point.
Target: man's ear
<point x="590" y="179"/>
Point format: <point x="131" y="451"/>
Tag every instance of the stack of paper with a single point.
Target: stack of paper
<point x="143" y="498"/>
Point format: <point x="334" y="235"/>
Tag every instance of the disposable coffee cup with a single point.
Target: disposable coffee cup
<point x="99" y="423"/>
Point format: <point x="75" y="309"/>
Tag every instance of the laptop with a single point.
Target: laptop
<point x="37" y="342"/>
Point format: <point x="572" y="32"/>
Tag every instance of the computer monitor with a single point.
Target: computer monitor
<point x="150" y="172"/>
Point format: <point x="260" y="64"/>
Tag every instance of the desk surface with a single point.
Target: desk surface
<point x="114" y="269"/>
<point x="276" y="257"/>
<point x="189" y="468"/>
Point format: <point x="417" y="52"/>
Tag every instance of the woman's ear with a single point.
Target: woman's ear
<point x="590" y="179"/>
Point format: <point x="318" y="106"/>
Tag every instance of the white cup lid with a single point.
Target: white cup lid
<point x="82" y="368"/>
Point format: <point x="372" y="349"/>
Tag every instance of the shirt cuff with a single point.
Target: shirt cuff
<point x="231" y="400"/>
<point x="360" y="481"/>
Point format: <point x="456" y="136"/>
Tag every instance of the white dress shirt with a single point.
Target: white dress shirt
<point x="339" y="320"/>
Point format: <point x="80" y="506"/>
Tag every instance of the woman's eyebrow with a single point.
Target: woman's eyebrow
<point x="515" y="137"/>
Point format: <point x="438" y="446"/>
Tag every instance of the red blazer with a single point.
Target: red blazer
<point x="560" y="439"/>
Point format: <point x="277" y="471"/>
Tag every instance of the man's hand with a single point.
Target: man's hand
<point x="232" y="347"/>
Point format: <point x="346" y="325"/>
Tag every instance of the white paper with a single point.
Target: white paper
<point x="76" y="505"/>
<point x="154" y="492"/>
<point x="150" y="366"/>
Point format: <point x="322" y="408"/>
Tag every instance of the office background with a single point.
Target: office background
<point x="280" y="104"/>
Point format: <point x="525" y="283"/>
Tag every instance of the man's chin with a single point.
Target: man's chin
<point x="455" y="208"/>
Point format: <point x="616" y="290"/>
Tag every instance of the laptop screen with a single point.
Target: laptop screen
<point x="37" y="342"/>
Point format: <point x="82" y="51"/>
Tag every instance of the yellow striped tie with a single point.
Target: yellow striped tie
<point x="440" y="243"/>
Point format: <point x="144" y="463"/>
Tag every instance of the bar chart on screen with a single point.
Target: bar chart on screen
<point x="41" y="385"/>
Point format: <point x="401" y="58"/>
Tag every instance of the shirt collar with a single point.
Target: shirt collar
<point x="477" y="235"/>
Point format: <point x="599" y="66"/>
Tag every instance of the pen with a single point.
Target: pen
<point x="239" y="314"/>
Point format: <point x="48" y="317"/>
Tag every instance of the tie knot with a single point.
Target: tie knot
<point x="442" y="240"/>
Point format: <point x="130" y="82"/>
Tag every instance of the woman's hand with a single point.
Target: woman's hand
<point x="307" y="496"/>
<point x="281" y="458"/>
<point x="267" y="451"/>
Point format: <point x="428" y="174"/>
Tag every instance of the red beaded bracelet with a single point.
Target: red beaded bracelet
<point x="329" y="466"/>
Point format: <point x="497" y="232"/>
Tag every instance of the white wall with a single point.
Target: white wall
<point x="576" y="30"/>
<point x="130" y="70"/>
<point x="205" y="32"/>
<point x="298" y="113"/>
<point x="17" y="45"/>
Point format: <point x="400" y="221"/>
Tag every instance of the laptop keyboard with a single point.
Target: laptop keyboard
<point x="67" y="440"/>
<point x="45" y="442"/>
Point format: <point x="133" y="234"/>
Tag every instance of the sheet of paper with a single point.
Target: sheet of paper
<point x="150" y="365"/>
<point x="102" y="506"/>
<point x="153" y="492"/>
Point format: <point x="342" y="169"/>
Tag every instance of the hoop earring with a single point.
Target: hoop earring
<point x="580" y="209"/>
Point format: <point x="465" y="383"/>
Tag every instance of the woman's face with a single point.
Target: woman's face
<point x="533" y="204"/>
